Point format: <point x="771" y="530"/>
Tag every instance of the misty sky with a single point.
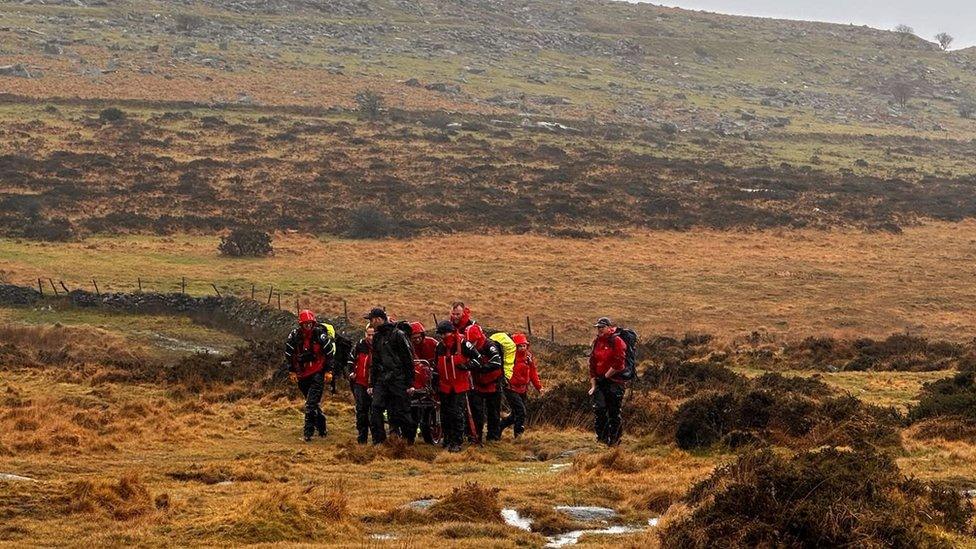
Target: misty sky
<point x="927" y="17"/>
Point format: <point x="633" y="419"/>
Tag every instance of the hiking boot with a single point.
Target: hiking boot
<point x="454" y="448"/>
<point x="307" y="438"/>
<point x="518" y="434"/>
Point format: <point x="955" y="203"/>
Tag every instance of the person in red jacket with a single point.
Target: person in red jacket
<point x="524" y="372"/>
<point x="489" y="381"/>
<point x="309" y="353"/>
<point x="422" y="393"/>
<point x="362" y="356"/>
<point x="453" y="357"/>
<point x="606" y="363"/>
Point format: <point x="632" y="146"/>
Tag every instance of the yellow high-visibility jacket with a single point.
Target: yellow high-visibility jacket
<point x="508" y="346"/>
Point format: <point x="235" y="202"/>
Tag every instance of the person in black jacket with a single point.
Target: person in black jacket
<point x="488" y="379"/>
<point x="309" y="354"/>
<point x="391" y="373"/>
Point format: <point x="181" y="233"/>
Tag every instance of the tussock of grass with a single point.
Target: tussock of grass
<point x="828" y="497"/>
<point x="470" y="502"/>
<point x="123" y="500"/>
<point x="56" y="344"/>
<point x="315" y="513"/>
<point x="547" y="521"/>
<point x="212" y="474"/>
<point x="616" y="460"/>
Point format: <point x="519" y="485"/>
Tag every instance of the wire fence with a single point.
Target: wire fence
<point x="274" y="297"/>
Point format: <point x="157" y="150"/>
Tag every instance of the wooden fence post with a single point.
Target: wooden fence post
<point x="279" y="301"/>
<point x="216" y="290"/>
<point x="53" y="287"/>
<point x="345" y="310"/>
<point x="298" y="307"/>
<point x="61" y="282"/>
<point x="183" y="285"/>
<point x="139" y="280"/>
<point x="552" y="333"/>
<point x="270" y="293"/>
<point x="252" y="292"/>
<point x="95" y="284"/>
<point x="528" y="324"/>
<point x="40" y="287"/>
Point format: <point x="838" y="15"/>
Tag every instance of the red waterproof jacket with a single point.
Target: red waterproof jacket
<point x="609" y="351"/>
<point x="453" y="356"/>
<point x="315" y="343"/>
<point x="363" y="356"/>
<point x="524" y="372"/>
<point x="426" y="350"/>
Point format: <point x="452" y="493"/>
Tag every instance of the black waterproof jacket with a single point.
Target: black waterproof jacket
<point x="392" y="358"/>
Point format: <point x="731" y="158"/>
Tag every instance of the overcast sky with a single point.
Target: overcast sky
<point x="927" y="17"/>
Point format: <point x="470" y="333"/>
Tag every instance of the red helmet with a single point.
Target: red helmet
<point x="520" y="339"/>
<point x="306" y="316"/>
<point x="475" y="335"/>
<point x="416" y="328"/>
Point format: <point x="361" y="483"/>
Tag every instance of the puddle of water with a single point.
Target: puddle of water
<point x="173" y="344"/>
<point x="512" y="518"/>
<point x="572" y="538"/>
<point x="15" y="478"/>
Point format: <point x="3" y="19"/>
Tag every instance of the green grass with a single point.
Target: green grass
<point x="168" y="334"/>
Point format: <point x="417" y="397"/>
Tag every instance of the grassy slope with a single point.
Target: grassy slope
<point x="794" y="283"/>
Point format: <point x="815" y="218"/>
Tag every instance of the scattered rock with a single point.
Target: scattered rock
<point x="587" y="513"/>
<point x="15" y="478"/>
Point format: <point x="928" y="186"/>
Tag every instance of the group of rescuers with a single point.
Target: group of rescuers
<point x="467" y="376"/>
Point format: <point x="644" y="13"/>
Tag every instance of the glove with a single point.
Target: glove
<point x="328" y="377"/>
<point x="293" y="377"/>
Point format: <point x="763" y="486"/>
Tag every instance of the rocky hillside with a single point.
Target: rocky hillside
<point x="697" y="119"/>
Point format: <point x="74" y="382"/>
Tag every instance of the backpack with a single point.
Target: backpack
<point x="630" y="359"/>
<point x="508" y="352"/>
<point x="343" y="354"/>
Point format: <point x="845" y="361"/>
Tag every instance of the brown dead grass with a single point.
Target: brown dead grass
<point x="470" y="502"/>
<point x="25" y="345"/>
<point x="125" y="499"/>
<point x="315" y="513"/>
<point x="793" y="283"/>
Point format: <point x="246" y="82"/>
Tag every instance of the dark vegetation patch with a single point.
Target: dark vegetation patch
<point x="543" y="185"/>
<point x="947" y="406"/>
<point x="735" y="411"/>
<point x="246" y="242"/>
<point x="823" y="498"/>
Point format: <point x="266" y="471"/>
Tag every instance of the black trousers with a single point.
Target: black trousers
<point x="487" y="408"/>
<point x="312" y="388"/>
<point x="452" y="417"/>
<point x="421" y="416"/>
<point x="516" y="402"/>
<point x="607" y="400"/>
<point x="363" y="402"/>
<point x="390" y="398"/>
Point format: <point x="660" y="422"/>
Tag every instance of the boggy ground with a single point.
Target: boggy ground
<point x="179" y="461"/>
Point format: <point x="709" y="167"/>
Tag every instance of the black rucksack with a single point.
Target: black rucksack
<point x="630" y="359"/>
